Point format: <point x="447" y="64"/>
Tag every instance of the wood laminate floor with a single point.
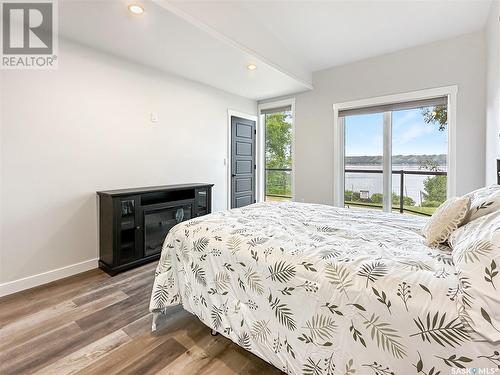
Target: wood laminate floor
<point x="95" y="324"/>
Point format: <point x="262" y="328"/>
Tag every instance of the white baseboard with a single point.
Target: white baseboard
<point x="46" y="277"/>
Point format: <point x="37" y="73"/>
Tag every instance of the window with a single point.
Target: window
<point x="277" y="124"/>
<point x="396" y="155"/>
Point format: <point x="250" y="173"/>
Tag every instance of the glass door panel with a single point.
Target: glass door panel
<point x="201" y="202"/>
<point x="278" y="155"/>
<point x="127" y="239"/>
<point x="364" y="150"/>
<point x="419" y="158"/>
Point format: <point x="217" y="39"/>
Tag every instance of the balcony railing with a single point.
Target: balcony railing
<point x="279" y="183"/>
<point x="402" y="173"/>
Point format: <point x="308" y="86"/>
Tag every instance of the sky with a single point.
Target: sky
<point x="410" y="135"/>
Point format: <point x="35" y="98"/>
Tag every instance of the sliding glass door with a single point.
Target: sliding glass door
<point x="395" y="156"/>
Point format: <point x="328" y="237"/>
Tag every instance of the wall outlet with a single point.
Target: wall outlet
<point x="154" y="116"/>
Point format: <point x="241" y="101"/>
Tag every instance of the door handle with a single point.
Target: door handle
<point x="233" y="175"/>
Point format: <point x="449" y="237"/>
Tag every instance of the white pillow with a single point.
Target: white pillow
<point x="484" y="201"/>
<point x="447" y="218"/>
<point x="476" y="255"/>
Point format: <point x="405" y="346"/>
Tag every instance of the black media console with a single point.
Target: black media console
<point x="133" y="223"/>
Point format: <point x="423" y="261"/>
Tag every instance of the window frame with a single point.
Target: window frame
<point x="339" y="138"/>
<point x="261" y="144"/>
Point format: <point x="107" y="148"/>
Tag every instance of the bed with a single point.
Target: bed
<point x="314" y="289"/>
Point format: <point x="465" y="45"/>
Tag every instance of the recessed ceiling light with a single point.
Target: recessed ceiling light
<point x="251" y="66"/>
<point x="136" y="9"/>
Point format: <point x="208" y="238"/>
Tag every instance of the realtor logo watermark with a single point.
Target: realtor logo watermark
<point x="29" y="34"/>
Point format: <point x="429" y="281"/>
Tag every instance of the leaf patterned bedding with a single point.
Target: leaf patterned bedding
<point x="314" y="289"/>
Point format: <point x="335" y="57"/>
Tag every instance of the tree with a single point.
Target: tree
<point x="436" y="115"/>
<point x="434" y="187"/>
<point x="352" y="196"/>
<point x="434" y="191"/>
<point x="278" y="140"/>
<point x="429" y="165"/>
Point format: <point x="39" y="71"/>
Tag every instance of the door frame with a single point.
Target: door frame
<point x="261" y="145"/>
<point x="228" y="160"/>
<point x="339" y="137"/>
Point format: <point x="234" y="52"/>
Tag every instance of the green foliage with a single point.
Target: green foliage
<point x="434" y="187"/>
<point x="279" y="183"/>
<point x="278" y="140"/>
<point x="407" y="201"/>
<point x="427" y="203"/>
<point x="377" y="198"/>
<point x="436" y="115"/>
<point x="429" y="165"/>
<point x="434" y="191"/>
<point x="352" y="196"/>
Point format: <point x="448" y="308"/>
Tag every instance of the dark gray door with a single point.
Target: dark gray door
<point x="242" y="162"/>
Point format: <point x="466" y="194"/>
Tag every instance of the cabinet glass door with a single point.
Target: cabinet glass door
<point x="201" y="202"/>
<point x="127" y="230"/>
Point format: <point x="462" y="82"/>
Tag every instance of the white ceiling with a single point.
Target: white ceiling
<point x="329" y="33"/>
<point x="165" y="41"/>
<point x="213" y="41"/>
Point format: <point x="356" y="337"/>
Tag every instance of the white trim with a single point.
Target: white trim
<point x="387" y="162"/>
<point x="452" y="143"/>
<point x="250" y="117"/>
<point x="338" y="162"/>
<point x="46" y="277"/>
<point x="450" y="91"/>
<point x="261" y="140"/>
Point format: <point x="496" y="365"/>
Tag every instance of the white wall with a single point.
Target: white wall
<point x="1" y="180"/>
<point x="458" y="61"/>
<point x="492" y="91"/>
<point x="85" y="127"/>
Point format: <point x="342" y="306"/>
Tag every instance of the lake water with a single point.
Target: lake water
<point x="414" y="184"/>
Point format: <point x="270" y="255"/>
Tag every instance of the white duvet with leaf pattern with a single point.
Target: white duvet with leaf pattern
<point x="314" y="289"/>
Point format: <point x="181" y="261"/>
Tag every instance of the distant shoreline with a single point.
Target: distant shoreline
<point x="417" y="160"/>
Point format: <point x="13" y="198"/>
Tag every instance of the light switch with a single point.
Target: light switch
<point x="154" y="117"/>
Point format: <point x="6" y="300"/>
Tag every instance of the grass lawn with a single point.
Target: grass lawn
<point x="427" y="211"/>
<point x="270" y="198"/>
<point x="415" y="210"/>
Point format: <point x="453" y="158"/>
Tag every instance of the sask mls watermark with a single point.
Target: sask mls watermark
<point x="29" y="34"/>
<point x="475" y="371"/>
